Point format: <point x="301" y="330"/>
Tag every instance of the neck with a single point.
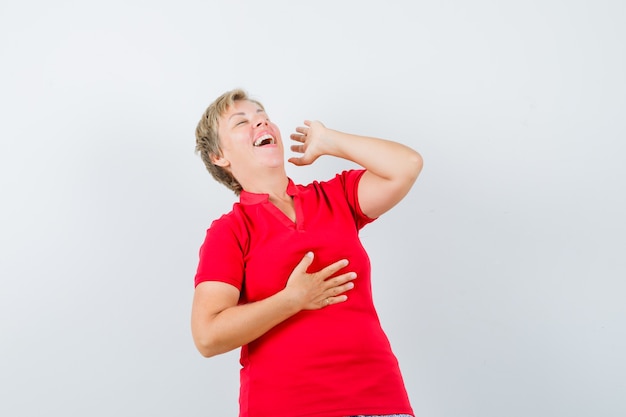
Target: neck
<point x="272" y="183"/>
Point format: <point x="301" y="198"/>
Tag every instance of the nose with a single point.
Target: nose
<point x="261" y="122"/>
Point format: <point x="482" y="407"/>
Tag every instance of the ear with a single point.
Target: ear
<point x="220" y="161"/>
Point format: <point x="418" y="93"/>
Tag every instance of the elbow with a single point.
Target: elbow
<point x="206" y="343"/>
<point x="210" y="345"/>
<point x="206" y="353"/>
<point x="207" y="346"/>
<point x="414" y="164"/>
<point x="207" y="350"/>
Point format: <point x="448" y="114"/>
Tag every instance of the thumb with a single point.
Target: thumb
<point x="296" y="161"/>
<point x="304" y="264"/>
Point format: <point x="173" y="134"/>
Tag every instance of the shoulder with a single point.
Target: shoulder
<point x="343" y="181"/>
<point x="231" y="224"/>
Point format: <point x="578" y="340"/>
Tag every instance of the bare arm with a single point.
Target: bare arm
<point x="392" y="168"/>
<point x="219" y="324"/>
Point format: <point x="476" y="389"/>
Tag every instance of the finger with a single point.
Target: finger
<point x="302" y="130"/>
<point x="332" y="268"/>
<point x="304" y="264"/>
<point x="297" y="137"/>
<point x="333" y="300"/>
<point x="340" y="280"/>
<point x="340" y="289"/>
<point x="298" y="148"/>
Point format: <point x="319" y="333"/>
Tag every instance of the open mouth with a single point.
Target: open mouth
<point x="264" y="140"/>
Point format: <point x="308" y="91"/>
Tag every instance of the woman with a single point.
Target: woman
<point x="284" y="275"/>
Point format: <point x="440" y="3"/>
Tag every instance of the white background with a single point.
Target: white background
<point x="499" y="279"/>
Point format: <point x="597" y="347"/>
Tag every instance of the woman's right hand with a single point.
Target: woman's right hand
<point x="219" y="323"/>
<point x="312" y="291"/>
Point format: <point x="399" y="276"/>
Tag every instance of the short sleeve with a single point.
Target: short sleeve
<point x="350" y="182"/>
<point x="221" y="255"/>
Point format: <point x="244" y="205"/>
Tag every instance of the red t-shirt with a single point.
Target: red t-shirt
<point x="332" y="362"/>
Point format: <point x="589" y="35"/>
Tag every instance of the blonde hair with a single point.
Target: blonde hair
<point x="208" y="141"/>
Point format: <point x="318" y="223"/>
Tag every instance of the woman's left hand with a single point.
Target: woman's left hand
<point x="390" y="167"/>
<point x="314" y="142"/>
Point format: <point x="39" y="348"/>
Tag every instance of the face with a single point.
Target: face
<point x="249" y="140"/>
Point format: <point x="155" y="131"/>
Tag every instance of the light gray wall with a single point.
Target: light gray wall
<point x="500" y="278"/>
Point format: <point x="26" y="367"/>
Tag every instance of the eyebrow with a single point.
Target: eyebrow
<point x="243" y="114"/>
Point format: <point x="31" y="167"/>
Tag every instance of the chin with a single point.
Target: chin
<point x="275" y="163"/>
<point x="275" y="160"/>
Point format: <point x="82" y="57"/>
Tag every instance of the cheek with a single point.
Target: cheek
<point x="276" y="131"/>
<point x="240" y="139"/>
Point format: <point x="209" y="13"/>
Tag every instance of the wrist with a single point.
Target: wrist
<point x="288" y="298"/>
<point x="332" y="142"/>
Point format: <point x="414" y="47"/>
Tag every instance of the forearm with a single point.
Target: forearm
<point x="240" y="324"/>
<point x="388" y="160"/>
<point x="219" y="324"/>
<point x="391" y="168"/>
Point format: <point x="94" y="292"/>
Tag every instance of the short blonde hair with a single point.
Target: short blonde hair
<point x="208" y="141"/>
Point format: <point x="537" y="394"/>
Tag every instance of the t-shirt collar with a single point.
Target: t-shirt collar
<point x="248" y="198"/>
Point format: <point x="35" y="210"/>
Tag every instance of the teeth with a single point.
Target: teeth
<point x="262" y="139"/>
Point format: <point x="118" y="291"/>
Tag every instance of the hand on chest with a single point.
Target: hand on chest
<point x="276" y="245"/>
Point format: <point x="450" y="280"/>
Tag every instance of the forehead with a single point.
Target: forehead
<point x="243" y="107"/>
